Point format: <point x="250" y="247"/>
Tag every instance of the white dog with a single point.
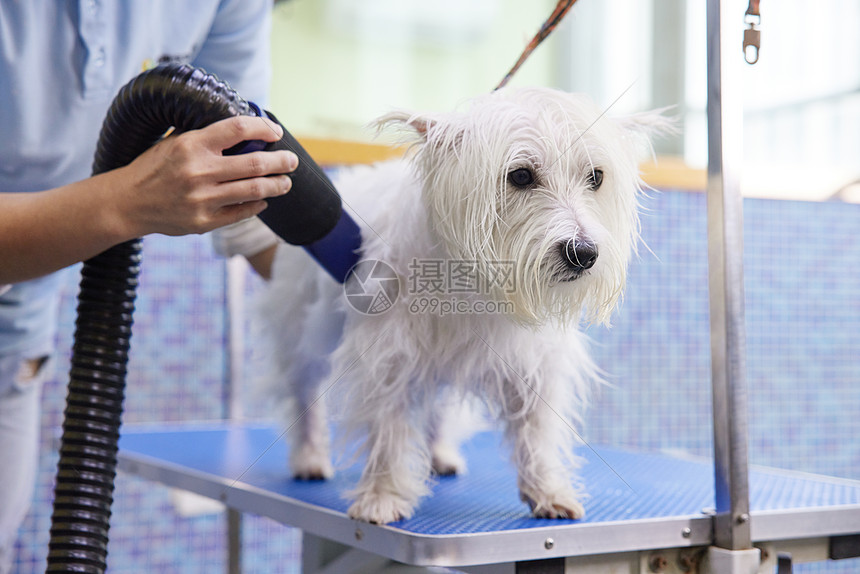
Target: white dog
<point x="508" y="224"/>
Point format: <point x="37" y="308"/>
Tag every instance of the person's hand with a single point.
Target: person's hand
<point x="184" y="184"/>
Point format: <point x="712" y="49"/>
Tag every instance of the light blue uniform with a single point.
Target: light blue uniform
<point x="61" y="64"/>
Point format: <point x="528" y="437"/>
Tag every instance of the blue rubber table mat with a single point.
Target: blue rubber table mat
<point x="644" y="490"/>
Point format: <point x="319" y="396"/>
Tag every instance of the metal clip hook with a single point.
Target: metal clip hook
<point x="752" y="42"/>
<point x="752" y="35"/>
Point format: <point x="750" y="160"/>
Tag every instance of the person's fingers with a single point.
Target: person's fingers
<point x="226" y="133"/>
<point x="234" y="213"/>
<point x="255" y="164"/>
<point x="251" y="189"/>
<point x="203" y="220"/>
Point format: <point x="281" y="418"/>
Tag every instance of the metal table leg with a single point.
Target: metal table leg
<point x="234" y="541"/>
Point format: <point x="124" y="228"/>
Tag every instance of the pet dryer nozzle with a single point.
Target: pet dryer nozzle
<point x="311" y="214"/>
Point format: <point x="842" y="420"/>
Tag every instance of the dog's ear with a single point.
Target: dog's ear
<point x="410" y="126"/>
<point x="651" y="124"/>
<point x="645" y="127"/>
<point x="420" y="128"/>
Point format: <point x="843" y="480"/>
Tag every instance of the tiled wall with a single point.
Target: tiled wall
<point x="803" y="329"/>
<point x="803" y="332"/>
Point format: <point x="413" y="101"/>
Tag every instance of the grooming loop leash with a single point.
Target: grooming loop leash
<point x="546" y="29"/>
<point x="752" y="35"/>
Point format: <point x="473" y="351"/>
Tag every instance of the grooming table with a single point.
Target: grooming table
<point x="644" y="509"/>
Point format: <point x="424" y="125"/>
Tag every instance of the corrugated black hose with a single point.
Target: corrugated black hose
<point x="183" y="98"/>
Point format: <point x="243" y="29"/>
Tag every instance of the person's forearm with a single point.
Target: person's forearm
<point x="262" y="262"/>
<point x="46" y="231"/>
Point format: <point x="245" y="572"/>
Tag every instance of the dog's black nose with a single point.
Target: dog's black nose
<point x="580" y="255"/>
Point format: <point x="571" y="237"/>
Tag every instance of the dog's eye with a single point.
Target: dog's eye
<point x="595" y="179"/>
<point x="522" y="177"/>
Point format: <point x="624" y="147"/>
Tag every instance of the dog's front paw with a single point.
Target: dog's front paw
<point x="447" y="461"/>
<point x="380" y="508"/>
<point x="308" y="463"/>
<point x="558" y="505"/>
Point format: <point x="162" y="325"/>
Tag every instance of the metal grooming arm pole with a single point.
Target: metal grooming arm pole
<point x="732" y="552"/>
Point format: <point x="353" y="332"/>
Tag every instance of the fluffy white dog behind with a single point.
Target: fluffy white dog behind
<point x="507" y="225"/>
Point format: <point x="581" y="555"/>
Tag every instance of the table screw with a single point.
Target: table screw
<point x="549" y="543"/>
